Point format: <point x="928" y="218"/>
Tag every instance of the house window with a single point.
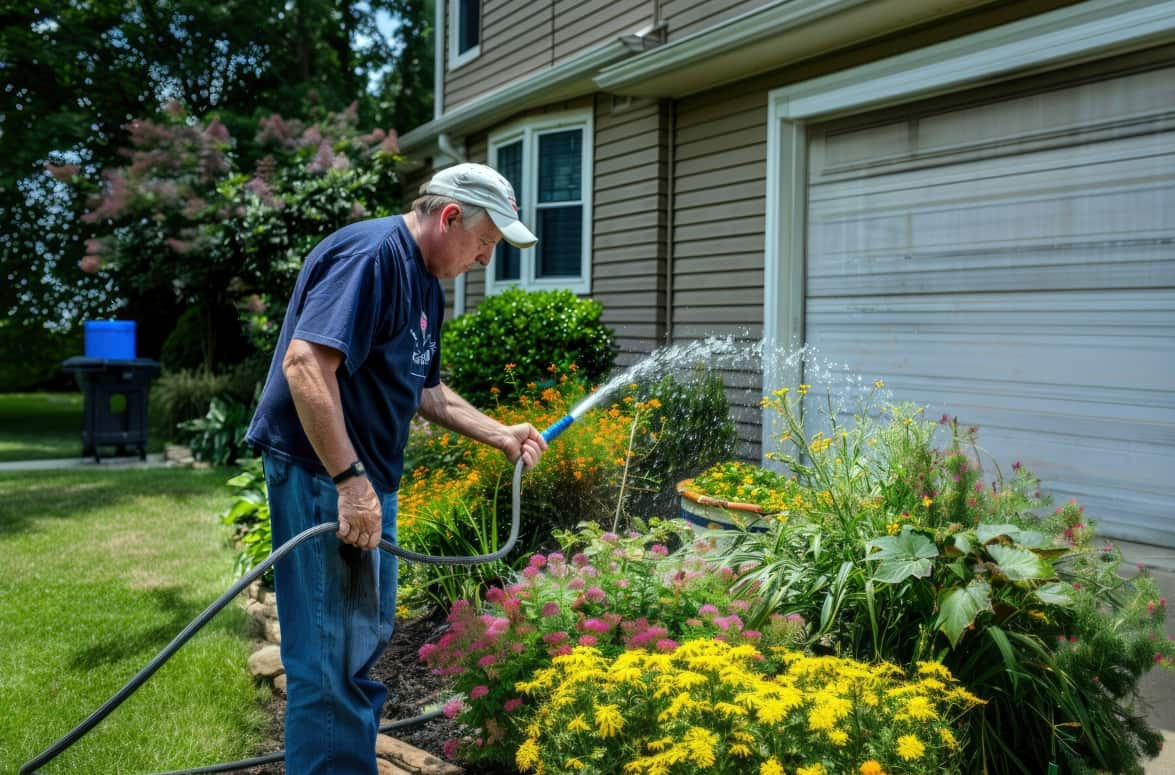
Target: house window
<point x="464" y="31"/>
<point x="548" y="161"/>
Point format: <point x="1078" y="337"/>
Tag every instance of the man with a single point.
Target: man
<point x="358" y="356"/>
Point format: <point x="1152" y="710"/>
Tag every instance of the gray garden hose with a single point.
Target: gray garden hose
<point x="141" y="677"/>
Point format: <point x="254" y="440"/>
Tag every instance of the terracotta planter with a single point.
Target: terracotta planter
<point x="716" y="513"/>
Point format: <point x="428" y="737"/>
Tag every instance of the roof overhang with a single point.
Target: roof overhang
<point x="571" y="78"/>
<point x="778" y="34"/>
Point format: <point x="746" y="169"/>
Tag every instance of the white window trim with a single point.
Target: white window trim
<point x="1048" y="41"/>
<point x="528" y="131"/>
<point x="458" y="59"/>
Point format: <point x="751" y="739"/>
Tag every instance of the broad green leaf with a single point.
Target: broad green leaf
<point x="961" y="543"/>
<point x="988" y="533"/>
<point x="958" y="607"/>
<point x="904" y="555"/>
<point x="1057" y="593"/>
<point x="1019" y="564"/>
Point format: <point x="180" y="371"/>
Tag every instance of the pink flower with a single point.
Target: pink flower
<point x="580" y="559"/>
<point x="659" y="549"/>
<point x="512" y="705"/>
<point x="729" y="622"/>
<point x="452" y="708"/>
<point x="666" y="645"/>
<point x="487" y="661"/>
<point x="622" y="583"/>
<point x="479" y="691"/>
<point x="560" y="651"/>
<point x="538" y="561"/>
<point x="739" y="605"/>
<point x="550" y="609"/>
<point x="708" y="609"/>
<point x="449" y="749"/>
<point x="426" y="651"/>
<point x="530" y="571"/>
<point x="553" y="638"/>
<point x="495" y="595"/>
<point x="752" y="635"/>
<point x="588" y="640"/>
<point x="609" y="538"/>
<point x="575" y="584"/>
<point x="596" y="625"/>
<point x="555" y="557"/>
<point x="595" y="594"/>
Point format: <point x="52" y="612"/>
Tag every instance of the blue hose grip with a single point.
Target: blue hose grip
<point x="550" y="433"/>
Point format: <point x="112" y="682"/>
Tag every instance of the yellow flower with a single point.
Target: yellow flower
<point x="871" y="767"/>
<point x="948" y="738"/>
<point x="838" y="737"/>
<point x="877" y="383"/>
<point x="574" y="764"/>
<point x="527" y="755"/>
<point x="608" y="720"/>
<point x="815" y="769"/>
<point x="739" y="749"/>
<point x="578" y="724"/>
<point x="910" y="747"/>
<point x="701" y="744"/>
<point x="927" y="501"/>
<point x="771" y="767"/>
<point x="804" y="389"/>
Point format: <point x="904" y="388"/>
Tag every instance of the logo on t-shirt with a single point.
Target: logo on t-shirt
<point x="423" y="347"/>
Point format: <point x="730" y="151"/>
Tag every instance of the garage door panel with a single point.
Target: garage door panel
<point x="1013" y="263"/>
<point x="1057" y="267"/>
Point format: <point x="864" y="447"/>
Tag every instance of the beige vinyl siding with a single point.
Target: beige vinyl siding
<point x="583" y="25"/>
<point x="524" y="37"/>
<point x="629" y="230"/>
<point x="685" y="17"/>
<point x="515" y="41"/>
<point x="718" y="224"/>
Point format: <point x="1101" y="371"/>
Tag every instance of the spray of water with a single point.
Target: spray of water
<point x="709" y="352"/>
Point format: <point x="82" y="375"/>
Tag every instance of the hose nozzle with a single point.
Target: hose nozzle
<point x="550" y="433"/>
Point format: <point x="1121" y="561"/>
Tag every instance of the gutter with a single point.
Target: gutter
<point x="568" y="79"/>
<point x="776" y="34"/>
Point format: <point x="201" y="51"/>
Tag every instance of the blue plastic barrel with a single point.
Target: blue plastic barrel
<point x="112" y="340"/>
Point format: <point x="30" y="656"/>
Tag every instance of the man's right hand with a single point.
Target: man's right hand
<point x="360" y="515"/>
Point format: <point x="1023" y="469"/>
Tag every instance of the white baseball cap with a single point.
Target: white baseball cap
<point x="482" y="186"/>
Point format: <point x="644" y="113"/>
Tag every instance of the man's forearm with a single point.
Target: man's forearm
<point x="441" y="405"/>
<point x="310" y="372"/>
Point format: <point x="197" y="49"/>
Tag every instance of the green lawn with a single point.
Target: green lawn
<point x="101" y="569"/>
<point x="43" y="426"/>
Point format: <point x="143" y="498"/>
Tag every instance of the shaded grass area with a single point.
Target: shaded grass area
<point x="101" y="569"/>
<point x="46" y="426"/>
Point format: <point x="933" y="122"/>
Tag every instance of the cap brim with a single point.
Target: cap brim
<point x="513" y="231"/>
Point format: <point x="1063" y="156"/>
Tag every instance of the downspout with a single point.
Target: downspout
<point x="438" y="59"/>
<point x="670" y="197"/>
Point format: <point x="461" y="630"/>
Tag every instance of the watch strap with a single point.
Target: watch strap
<point x="353" y="470"/>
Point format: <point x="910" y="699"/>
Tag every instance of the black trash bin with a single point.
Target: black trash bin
<point x="115" y="402"/>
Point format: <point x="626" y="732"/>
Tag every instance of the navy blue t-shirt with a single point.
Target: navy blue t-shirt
<point x="365" y="292"/>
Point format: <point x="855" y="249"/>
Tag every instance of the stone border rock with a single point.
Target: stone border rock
<point x="394" y="757"/>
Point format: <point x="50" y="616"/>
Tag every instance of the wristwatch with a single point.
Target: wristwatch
<point x="355" y="469"/>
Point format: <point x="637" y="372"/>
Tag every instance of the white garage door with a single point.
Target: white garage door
<point x="1008" y="256"/>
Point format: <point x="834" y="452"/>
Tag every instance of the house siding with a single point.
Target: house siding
<point x="719" y="200"/>
<point x="522" y="37"/>
<point x="685" y="17"/>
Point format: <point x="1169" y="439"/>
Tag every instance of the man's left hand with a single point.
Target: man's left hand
<point x="523" y="440"/>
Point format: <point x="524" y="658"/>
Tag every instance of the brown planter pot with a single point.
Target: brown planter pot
<point x="716" y="513"/>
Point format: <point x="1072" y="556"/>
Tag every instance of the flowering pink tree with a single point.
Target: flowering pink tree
<point x="182" y="219"/>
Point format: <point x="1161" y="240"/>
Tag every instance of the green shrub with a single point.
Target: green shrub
<point x="219" y="436"/>
<point x="693" y="428"/>
<point x="248" y="519"/>
<point x="30" y="358"/>
<point x="180" y="396"/>
<point x="532" y="330"/>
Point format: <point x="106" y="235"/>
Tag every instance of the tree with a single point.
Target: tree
<point x="79" y="74"/>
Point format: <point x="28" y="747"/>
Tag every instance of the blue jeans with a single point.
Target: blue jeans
<point x="337" y="607"/>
